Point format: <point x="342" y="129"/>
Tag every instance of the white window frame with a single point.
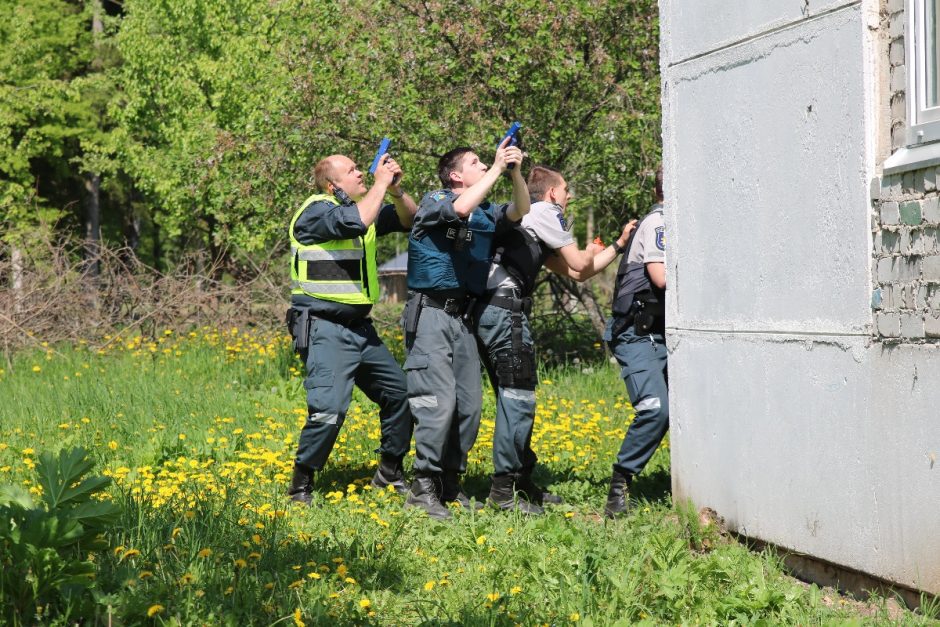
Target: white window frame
<point x="924" y="122"/>
<point x="922" y="139"/>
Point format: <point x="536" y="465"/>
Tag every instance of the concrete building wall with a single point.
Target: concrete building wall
<point x="800" y="296"/>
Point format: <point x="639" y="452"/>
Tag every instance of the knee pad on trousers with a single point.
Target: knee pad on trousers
<point x="516" y="369"/>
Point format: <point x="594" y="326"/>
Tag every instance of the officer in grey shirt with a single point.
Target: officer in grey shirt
<point x="502" y="329"/>
<point x="636" y="336"/>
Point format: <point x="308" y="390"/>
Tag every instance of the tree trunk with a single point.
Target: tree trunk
<point x="587" y="300"/>
<point x="93" y="224"/>
<point x="157" y="248"/>
<point x="16" y="266"/>
<point x="590" y="224"/>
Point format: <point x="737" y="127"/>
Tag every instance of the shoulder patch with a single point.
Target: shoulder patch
<point x="562" y="221"/>
<point x="661" y="238"/>
<point x="441" y="195"/>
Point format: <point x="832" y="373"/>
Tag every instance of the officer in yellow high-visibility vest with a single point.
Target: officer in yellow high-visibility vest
<point x="334" y="284"/>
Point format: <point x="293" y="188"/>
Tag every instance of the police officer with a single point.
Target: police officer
<point x="636" y="336"/>
<point x="334" y="284"/>
<point x="501" y="324"/>
<point x="449" y="254"/>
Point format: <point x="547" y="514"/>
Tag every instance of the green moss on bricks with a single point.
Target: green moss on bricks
<point x="910" y="212"/>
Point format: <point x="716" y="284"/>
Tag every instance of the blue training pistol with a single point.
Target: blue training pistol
<point x="513" y="133"/>
<point x="383" y="148"/>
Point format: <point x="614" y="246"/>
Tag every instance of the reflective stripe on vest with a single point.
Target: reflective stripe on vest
<point x="342" y="271"/>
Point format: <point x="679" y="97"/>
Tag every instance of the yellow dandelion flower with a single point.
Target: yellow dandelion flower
<point x="154" y="609"/>
<point x="481" y="540"/>
<point x="313" y="575"/>
<point x="240" y="563"/>
<point x="204" y="553"/>
<point x="515" y="590"/>
<point x="365" y="604"/>
<point x="493" y="596"/>
<point x="296" y="584"/>
<point x="129" y="553"/>
<point x="256" y="539"/>
<point x="574" y="617"/>
<point x="145" y="574"/>
<point x="297" y="618"/>
<point x="429" y="586"/>
<point x="112" y="445"/>
<point x="37" y="369"/>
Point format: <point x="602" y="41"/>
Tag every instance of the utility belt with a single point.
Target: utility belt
<point x="647" y="315"/>
<point x="299" y="320"/>
<point x="508" y="298"/>
<point x="455" y="306"/>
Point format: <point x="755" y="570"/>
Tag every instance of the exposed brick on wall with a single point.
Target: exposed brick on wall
<point x="905" y="219"/>
<point x="906" y="257"/>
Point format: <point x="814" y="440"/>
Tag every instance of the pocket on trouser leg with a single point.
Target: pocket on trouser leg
<point x="420" y="394"/>
<point x="323" y="407"/>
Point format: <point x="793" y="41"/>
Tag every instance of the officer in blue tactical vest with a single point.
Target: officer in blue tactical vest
<point x="334" y="284"/>
<point x="636" y="337"/>
<point x="449" y="255"/>
<point x="501" y="323"/>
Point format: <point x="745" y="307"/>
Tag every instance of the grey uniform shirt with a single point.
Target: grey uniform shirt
<point x="545" y="222"/>
<point x="324" y="221"/>
<point x="648" y="246"/>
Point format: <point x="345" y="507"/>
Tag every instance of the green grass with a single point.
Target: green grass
<point x="199" y="432"/>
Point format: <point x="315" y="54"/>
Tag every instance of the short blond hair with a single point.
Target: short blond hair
<point x="324" y="173"/>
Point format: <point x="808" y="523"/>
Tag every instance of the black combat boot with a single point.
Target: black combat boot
<point x="533" y="492"/>
<point x="301" y="485"/>
<point x="503" y="496"/>
<point x="390" y="473"/>
<point x="425" y="493"/>
<point x="617" y="497"/>
<point x="453" y="492"/>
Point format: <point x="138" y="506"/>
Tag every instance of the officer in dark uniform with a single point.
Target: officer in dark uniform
<point x="449" y="254"/>
<point x="334" y="285"/>
<point x="501" y="324"/>
<point x="636" y="336"/>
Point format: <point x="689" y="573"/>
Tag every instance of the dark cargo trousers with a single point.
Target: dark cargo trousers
<point x="444" y="391"/>
<point x="642" y="359"/>
<point x="515" y="405"/>
<point x="336" y="358"/>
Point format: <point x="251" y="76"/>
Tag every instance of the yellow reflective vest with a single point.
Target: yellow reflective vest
<point x="342" y="270"/>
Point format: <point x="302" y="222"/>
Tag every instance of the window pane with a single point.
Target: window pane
<point x="931" y="53"/>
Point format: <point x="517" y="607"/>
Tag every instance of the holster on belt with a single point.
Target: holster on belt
<point x="412" y="313"/>
<point x="649" y="315"/>
<point x="298" y="325"/>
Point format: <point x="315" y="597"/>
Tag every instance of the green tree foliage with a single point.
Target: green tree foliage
<point x="205" y="117"/>
<point x="43" y="44"/>
<point x="227" y="104"/>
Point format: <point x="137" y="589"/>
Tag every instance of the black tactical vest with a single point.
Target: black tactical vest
<point x="625" y="295"/>
<point x="521" y="255"/>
